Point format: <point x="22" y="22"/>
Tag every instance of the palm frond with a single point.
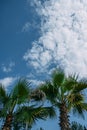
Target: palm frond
<point x="70" y="82"/>
<point x="31" y="114"/>
<point x="4" y="102"/>
<point x="77" y="126"/>
<point x="58" y="77"/>
<point x="3" y="95"/>
<point x="37" y="95"/>
<point x="50" y="91"/>
<point x="51" y="112"/>
<point x="80" y="108"/>
<point x="80" y="86"/>
<point x="21" y="91"/>
<point x="75" y="98"/>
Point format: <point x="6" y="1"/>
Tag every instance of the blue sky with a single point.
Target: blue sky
<point x="19" y="27"/>
<point x="37" y="36"/>
<point x="15" y="39"/>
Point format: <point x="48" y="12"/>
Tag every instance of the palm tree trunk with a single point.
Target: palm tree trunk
<point x="64" y="118"/>
<point x="8" y="121"/>
<point x="26" y="126"/>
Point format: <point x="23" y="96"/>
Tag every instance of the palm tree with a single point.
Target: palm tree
<point x="17" y="106"/>
<point x="28" y="115"/>
<point x="77" y="126"/>
<point x="66" y="94"/>
<point x="18" y="96"/>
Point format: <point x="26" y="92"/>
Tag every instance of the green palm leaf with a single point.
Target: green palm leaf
<point x="50" y="91"/>
<point x="21" y="91"/>
<point x="66" y="94"/>
<point x="58" y="77"/>
<point x="70" y="82"/>
<point x="31" y="114"/>
<point x="37" y="95"/>
<point x="3" y="95"/>
<point x="80" y="86"/>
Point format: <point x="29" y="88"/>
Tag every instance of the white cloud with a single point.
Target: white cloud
<point x="35" y="82"/>
<point x="63" y="38"/>
<point x="7" y="81"/>
<point x="8" y="68"/>
<point x="26" y="27"/>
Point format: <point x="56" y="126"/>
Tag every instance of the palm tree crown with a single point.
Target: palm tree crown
<point x="17" y="96"/>
<point x="66" y="94"/>
<point x="17" y="106"/>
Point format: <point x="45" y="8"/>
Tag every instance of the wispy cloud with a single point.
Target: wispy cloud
<point x="26" y="27"/>
<point x="7" y="81"/>
<point x="63" y="40"/>
<point x="8" y="68"/>
<point x="30" y="26"/>
<point x="35" y="82"/>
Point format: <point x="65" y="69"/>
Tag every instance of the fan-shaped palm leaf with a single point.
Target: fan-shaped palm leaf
<point x="21" y="91"/>
<point x="30" y="114"/>
<point x="58" y="77"/>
